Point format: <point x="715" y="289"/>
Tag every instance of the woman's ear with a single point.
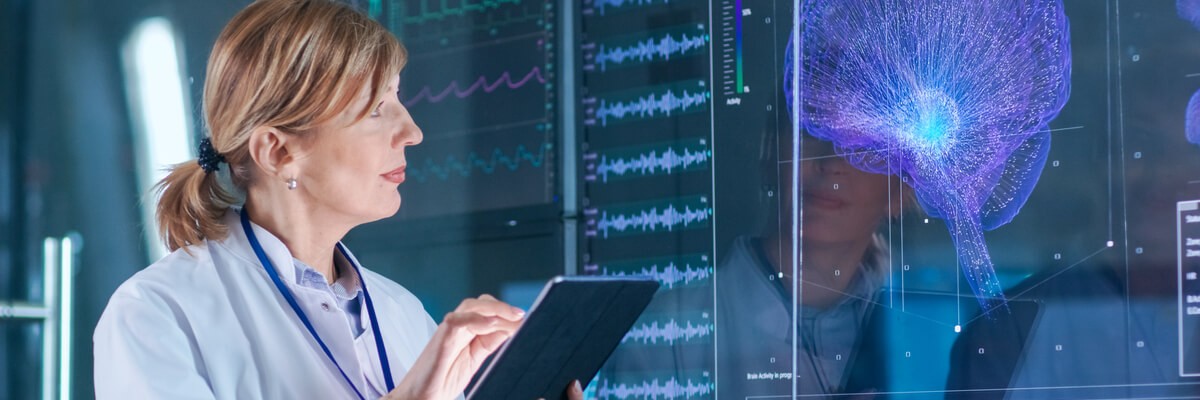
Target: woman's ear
<point x="270" y="150"/>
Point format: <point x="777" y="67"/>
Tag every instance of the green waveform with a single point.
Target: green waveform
<point x="375" y="8"/>
<point x="445" y="11"/>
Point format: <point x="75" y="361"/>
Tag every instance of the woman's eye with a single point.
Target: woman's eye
<point x="378" y="110"/>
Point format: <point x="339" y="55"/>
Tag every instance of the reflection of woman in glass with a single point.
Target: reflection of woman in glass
<point x="843" y="264"/>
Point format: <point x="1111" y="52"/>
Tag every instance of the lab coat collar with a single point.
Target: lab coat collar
<point x="239" y="244"/>
<point x="276" y="251"/>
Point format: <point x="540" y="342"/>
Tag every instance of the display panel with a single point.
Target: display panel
<point x="886" y="198"/>
<point x="895" y="198"/>
<point x="646" y="139"/>
<point x="480" y="82"/>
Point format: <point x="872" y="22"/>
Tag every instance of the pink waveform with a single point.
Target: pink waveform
<point x="481" y="83"/>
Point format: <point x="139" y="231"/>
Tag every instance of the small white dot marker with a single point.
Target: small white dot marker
<point x="1110" y="243"/>
<point x="958" y="329"/>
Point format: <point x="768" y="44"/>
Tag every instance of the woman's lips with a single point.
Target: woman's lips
<point x="395" y="176"/>
<point x="823" y="201"/>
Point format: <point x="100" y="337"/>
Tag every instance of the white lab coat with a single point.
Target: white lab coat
<point x="212" y="325"/>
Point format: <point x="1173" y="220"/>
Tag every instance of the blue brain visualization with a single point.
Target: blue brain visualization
<point x="954" y="96"/>
<point x="1191" y="125"/>
<point x="1189" y="10"/>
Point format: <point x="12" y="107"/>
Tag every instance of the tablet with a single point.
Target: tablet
<point x="568" y="334"/>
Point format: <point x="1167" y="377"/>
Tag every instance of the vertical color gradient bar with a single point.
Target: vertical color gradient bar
<point x="737" y="10"/>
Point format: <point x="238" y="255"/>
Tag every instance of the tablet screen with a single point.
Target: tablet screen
<point x="568" y="334"/>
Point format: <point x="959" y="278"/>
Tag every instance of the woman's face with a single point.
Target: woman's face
<point x="841" y="203"/>
<point x="352" y="169"/>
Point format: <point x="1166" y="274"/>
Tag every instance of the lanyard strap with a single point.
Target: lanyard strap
<point x="287" y="295"/>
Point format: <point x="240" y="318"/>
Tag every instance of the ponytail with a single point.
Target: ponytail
<point x="190" y="206"/>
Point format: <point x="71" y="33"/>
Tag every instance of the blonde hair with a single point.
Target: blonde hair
<point x="288" y="64"/>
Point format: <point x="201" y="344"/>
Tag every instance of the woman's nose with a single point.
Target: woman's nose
<point x="409" y="134"/>
<point x="415" y="134"/>
<point x="832" y="165"/>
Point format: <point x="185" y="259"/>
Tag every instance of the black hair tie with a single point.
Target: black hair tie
<point x="210" y="160"/>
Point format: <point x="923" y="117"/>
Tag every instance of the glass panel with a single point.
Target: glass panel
<point x="902" y="198"/>
<point x="928" y="241"/>
<point x="481" y="82"/>
<point x="647" y="188"/>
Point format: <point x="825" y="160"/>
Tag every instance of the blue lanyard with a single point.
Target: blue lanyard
<point x="287" y="295"/>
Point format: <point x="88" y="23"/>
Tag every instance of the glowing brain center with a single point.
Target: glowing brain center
<point x="928" y="122"/>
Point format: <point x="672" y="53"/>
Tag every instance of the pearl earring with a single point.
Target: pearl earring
<point x="291" y="182"/>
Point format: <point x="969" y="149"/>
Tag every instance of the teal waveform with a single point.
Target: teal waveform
<point x="424" y="14"/>
<point x="452" y="166"/>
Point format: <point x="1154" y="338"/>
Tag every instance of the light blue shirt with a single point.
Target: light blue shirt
<point x="754" y="319"/>
<point x="345" y="291"/>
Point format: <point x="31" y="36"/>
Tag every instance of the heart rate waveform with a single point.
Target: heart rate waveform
<point x="640" y="49"/>
<point x="666" y="388"/>
<point x="649" y="217"/>
<point x="672" y="272"/>
<point x="670" y="331"/>
<point x="453" y="166"/>
<point x="425" y="11"/>
<point x="650" y="160"/>
<point x="504" y="80"/>
<point x="592" y="7"/>
<point x="449" y="23"/>
<point x="660" y="102"/>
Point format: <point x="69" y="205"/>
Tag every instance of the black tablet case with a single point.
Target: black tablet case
<point x="569" y="333"/>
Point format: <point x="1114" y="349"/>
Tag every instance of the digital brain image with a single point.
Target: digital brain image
<point x="954" y="96"/>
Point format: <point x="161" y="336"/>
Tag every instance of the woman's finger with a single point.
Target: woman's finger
<point x="488" y="305"/>
<point x="487" y="344"/>
<point x="467" y="325"/>
<point x="575" y="390"/>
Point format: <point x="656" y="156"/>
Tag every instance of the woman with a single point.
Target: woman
<point x="844" y="259"/>
<point x="264" y="301"/>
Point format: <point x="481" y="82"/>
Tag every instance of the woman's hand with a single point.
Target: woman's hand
<point x="574" y="391"/>
<point x="459" y="346"/>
